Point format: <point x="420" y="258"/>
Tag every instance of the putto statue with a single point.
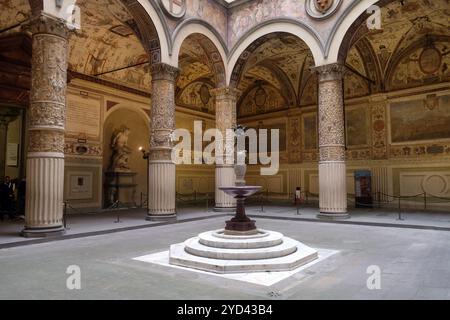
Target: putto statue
<point x="121" y="151"/>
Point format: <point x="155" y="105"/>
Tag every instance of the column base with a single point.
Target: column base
<point x="333" y="216"/>
<point x="224" y="209"/>
<point x="161" y="217"/>
<point x="43" y="232"/>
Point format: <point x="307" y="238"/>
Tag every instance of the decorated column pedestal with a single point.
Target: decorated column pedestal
<point x="45" y="158"/>
<point x="332" y="167"/>
<point x="161" y="169"/>
<point x="225" y="119"/>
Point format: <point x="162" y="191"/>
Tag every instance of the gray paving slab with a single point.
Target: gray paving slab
<point x="408" y="259"/>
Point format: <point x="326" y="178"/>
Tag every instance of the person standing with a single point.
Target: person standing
<point x="7" y="197"/>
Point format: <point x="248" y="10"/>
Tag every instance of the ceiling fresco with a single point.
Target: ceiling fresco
<point x="411" y="49"/>
<point x="202" y="70"/>
<point x="13" y="12"/>
<point x="107" y="47"/>
<point x="276" y="62"/>
<point x="404" y="23"/>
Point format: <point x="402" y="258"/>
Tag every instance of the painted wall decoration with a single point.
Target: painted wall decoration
<point x="423" y="66"/>
<point x="261" y="99"/>
<point x="420" y="120"/>
<point x="295" y="140"/>
<point x="244" y="17"/>
<point x="209" y="11"/>
<point x="356" y="123"/>
<point x="310" y="131"/>
<point x="379" y="130"/>
<point x="98" y="50"/>
<point x="197" y="96"/>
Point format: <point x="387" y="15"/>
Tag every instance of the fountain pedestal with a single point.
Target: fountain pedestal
<point x="240" y="224"/>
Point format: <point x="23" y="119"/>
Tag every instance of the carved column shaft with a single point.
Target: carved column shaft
<point x="225" y="119"/>
<point x="45" y="158"/>
<point x="332" y="168"/>
<point x="161" y="199"/>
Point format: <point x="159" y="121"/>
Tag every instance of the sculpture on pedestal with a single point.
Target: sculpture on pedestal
<point x="120" y="186"/>
<point x="121" y="151"/>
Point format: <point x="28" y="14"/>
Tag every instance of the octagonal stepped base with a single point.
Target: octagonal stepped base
<point x="217" y="252"/>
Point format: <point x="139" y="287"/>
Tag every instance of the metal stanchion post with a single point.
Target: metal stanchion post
<point x="399" y="209"/>
<point x="65" y="215"/>
<point x="425" y="201"/>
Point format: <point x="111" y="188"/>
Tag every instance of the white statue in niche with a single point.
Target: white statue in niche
<point x="121" y="151"/>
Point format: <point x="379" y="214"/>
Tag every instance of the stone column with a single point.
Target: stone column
<point x="332" y="168"/>
<point x="45" y="158"/>
<point x="225" y="119"/>
<point x="161" y="169"/>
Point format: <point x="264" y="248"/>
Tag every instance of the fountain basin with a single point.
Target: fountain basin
<point x="240" y="224"/>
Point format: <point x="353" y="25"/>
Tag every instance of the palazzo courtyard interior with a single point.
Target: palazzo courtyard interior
<point x="91" y="95"/>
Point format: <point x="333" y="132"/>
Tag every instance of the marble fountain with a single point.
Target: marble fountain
<point x="241" y="247"/>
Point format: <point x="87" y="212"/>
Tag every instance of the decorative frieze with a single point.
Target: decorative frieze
<point x="295" y="140"/>
<point x="42" y="114"/>
<point x="379" y="130"/>
<point x="336" y="153"/>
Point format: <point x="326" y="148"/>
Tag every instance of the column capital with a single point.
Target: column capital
<point x="163" y="71"/>
<point x="226" y="93"/>
<point x="330" y="72"/>
<point x="46" y="24"/>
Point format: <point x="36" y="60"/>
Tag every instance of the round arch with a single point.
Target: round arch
<point x="342" y="34"/>
<point x="121" y="106"/>
<point x="150" y="24"/>
<point x="298" y="29"/>
<point x="155" y="18"/>
<point x="219" y="54"/>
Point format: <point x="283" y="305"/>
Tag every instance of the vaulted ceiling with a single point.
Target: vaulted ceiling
<point x="276" y="74"/>
<point x="393" y="57"/>
<point x="106" y="46"/>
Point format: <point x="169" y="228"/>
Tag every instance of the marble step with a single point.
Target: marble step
<point x="302" y="255"/>
<point x="217" y="239"/>
<point x="194" y="247"/>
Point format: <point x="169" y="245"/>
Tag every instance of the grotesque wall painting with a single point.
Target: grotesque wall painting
<point x="356" y="127"/>
<point x="425" y="65"/>
<point x="121" y="57"/>
<point x="310" y="131"/>
<point x="261" y="99"/>
<point x="197" y="96"/>
<point x="420" y="119"/>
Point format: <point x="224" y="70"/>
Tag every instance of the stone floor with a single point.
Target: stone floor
<point x="107" y="221"/>
<point x="414" y="263"/>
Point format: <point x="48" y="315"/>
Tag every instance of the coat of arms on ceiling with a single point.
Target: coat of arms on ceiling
<point x="321" y="9"/>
